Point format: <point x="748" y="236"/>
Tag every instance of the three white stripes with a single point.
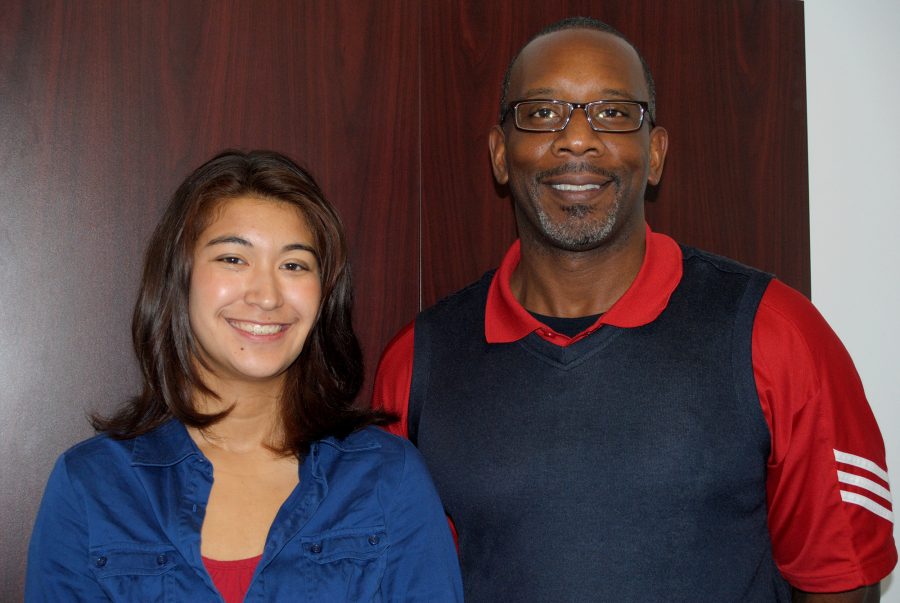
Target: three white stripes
<point x="863" y="500"/>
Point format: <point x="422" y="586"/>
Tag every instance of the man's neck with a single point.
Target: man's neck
<point x="561" y="283"/>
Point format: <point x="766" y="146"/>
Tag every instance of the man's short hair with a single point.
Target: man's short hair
<point x="581" y="23"/>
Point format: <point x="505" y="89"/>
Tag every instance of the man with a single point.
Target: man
<point x="612" y="417"/>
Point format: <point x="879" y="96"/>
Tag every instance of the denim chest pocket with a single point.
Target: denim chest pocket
<point x="135" y="572"/>
<point x="345" y="566"/>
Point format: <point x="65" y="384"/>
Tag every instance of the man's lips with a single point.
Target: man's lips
<point x="255" y="328"/>
<point x="574" y="188"/>
<point x="576" y="178"/>
<point x="577" y="183"/>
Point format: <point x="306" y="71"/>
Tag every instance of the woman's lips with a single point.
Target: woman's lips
<point x="254" y="328"/>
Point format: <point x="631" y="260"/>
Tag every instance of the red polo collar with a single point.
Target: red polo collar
<point x="507" y="321"/>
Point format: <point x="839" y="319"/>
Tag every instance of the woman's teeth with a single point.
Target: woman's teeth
<point x="256" y="329"/>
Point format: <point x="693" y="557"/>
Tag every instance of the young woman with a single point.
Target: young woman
<point x="243" y="471"/>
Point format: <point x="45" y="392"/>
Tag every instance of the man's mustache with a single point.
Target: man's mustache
<point x="576" y="168"/>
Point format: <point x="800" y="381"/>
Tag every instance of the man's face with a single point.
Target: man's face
<point x="578" y="189"/>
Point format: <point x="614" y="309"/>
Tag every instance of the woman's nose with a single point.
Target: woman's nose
<point x="263" y="290"/>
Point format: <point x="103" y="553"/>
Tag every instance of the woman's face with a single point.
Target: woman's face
<point x="255" y="290"/>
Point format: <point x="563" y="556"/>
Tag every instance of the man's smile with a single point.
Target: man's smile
<point x="575" y="187"/>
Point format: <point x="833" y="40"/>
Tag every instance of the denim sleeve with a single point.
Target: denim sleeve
<point x="422" y="564"/>
<point x="58" y="557"/>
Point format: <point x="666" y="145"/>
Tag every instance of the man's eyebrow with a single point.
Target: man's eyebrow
<point x="614" y="92"/>
<point x="607" y="93"/>
<point x="537" y="92"/>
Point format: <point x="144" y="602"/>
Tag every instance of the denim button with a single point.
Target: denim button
<point x="316" y="547"/>
<point x="101" y="561"/>
<point x="161" y="559"/>
<point x="373" y="539"/>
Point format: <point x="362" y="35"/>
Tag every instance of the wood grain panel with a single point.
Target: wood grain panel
<point x="104" y="107"/>
<point x="730" y="79"/>
<point x="733" y="99"/>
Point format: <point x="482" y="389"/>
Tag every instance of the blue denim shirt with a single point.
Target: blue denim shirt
<point x="120" y="521"/>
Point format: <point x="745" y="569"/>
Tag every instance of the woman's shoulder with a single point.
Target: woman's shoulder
<point x="392" y="455"/>
<point x="94" y="449"/>
<point x="96" y="464"/>
<point x="103" y="456"/>
<point x="375" y="440"/>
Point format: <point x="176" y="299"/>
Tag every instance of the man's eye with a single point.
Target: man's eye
<point x="544" y="113"/>
<point x="613" y="113"/>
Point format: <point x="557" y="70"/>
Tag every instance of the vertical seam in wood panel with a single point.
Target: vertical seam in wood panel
<point x="420" y="238"/>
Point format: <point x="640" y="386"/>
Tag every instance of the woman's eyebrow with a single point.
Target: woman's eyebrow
<point x="229" y="239"/>
<point x="301" y="247"/>
<point x="236" y="240"/>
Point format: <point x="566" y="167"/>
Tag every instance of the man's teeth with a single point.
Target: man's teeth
<point x="576" y="187"/>
<point x="256" y="329"/>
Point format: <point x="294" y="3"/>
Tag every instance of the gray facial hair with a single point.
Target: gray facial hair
<point x="577" y="232"/>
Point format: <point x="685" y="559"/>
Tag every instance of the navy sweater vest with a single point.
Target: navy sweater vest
<point x="629" y="466"/>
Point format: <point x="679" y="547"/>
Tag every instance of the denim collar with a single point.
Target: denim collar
<point x="169" y="444"/>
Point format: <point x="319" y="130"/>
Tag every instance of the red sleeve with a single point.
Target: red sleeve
<point x="830" y="513"/>
<point x="392" y="383"/>
<point x="393" y="378"/>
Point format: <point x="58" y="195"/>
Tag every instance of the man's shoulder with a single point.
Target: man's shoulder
<point x="472" y="295"/>
<point x="786" y="310"/>
<point x="700" y="257"/>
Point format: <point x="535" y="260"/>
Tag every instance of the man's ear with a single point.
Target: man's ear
<point x="659" y="144"/>
<point x="497" y="145"/>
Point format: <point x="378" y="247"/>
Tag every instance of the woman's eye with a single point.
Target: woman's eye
<point x="230" y="259"/>
<point x="295" y="266"/>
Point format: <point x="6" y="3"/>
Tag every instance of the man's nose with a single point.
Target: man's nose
<point x="579" y="137"/>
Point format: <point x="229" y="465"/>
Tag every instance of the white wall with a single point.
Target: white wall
<point x="853" y="97"/>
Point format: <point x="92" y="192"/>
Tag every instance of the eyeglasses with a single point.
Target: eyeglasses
<point x="540" y="115"/>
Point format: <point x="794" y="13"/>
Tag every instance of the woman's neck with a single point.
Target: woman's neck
<point x="253" y="423"/>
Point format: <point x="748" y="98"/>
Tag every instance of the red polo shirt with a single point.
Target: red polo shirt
<point x="830" y="511"/>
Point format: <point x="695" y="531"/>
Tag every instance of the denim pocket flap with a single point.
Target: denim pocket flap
<point x="132" y="560"/>
<point x="358" y="545"/>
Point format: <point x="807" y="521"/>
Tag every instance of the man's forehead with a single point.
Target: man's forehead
<point x="575" y="53"/>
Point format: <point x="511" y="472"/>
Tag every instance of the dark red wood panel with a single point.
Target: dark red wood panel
<point x="732" y="84"/>
<point x="104" y="107"/>
<point x="731" y="92"/>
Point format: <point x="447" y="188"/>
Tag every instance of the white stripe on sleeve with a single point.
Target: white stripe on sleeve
<point x="866" y="484"/>
<point x="867" y="503"/>
<point x="861" y="462"/>
<point x="854" y="465"/>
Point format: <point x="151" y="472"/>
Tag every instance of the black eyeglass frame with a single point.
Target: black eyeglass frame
<point x="645" y="112"/>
